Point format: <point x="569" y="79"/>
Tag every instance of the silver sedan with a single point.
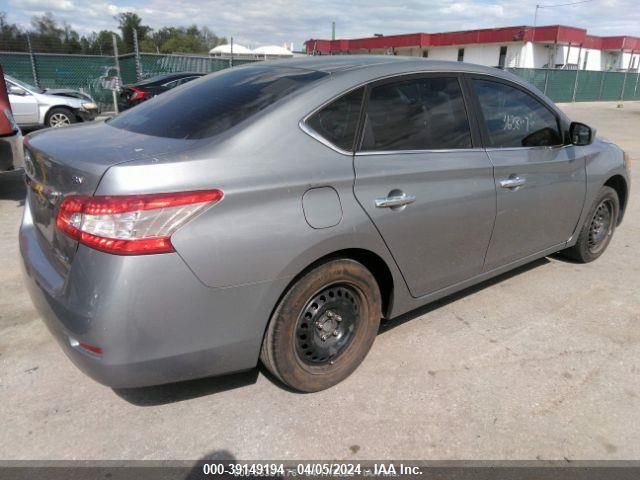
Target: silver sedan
<point x="277" y="211"/>
<point x="36" y="107"/>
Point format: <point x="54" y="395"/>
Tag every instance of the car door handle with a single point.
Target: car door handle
<point x="513" y="182"/>
<point x="395" y="201"/>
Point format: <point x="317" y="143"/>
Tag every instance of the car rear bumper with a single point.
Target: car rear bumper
<point x="11" y="157"/>
<point x="153" y="319"/>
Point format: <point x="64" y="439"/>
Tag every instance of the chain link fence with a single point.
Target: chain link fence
<point x="583" y="85"/>
<point x="97" y="75"/>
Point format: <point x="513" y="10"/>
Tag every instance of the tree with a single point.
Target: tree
<point x="46" y="36"/>
<point x="11" y="37"/>
<point x="130" y="21"/>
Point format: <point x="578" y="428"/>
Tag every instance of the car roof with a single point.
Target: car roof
<point x="339" y="63"/>
<point x="358" y="69"/>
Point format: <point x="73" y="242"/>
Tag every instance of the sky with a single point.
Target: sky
<point x="263" y="22"/>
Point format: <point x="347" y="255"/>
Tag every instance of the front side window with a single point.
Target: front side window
<point x="213" y="104"/>
<point x="338" y="121"/>
<point x="25" y="86"/>
<point x="514" y="118"/>
<point x="420" y="114"/>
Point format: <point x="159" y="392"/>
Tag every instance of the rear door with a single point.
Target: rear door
<point x="540" y="182"/>
<point x="424" y="181"/>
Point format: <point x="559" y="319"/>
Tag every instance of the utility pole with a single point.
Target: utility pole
<point x="136" y="50"/>
<point x="118" y="78"/>
<point x="626" y="72"/>
<point x="333" y="30"/>
<point x="32" y="58"/>
<point x="635" y="89"/>
<point x="231" y="52"/>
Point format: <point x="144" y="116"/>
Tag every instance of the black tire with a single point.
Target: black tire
<point x="598" y="228"/>
<point x="56" y="117"/>
<point x="293" y="348"/>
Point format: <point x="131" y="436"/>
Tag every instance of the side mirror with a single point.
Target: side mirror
<point x="14" y="90"/>
<point x="581" y="134"/>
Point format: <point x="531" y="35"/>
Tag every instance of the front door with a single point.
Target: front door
<point x="540" y="182"/>
<point x="429" y="192"/>
<point x="24" y="106"/>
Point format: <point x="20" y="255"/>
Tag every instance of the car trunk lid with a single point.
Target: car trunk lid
<point x="71" y="161"/>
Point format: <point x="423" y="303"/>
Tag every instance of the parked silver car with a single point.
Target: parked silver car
<point x="277" y="211"/>
<point x="33" y="106"/>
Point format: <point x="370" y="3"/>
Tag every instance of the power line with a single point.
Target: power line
<point x="538" y="6"/>
<point x="563" y="4"/>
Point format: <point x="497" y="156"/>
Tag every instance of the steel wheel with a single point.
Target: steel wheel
<point x="598" y="227"/>
<point x="327" y="324"/>
<point x="323" y="326"/>
<point x="59" y="119"/>
<point x="601" y="226"/>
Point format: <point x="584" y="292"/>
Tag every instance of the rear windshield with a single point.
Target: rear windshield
<point x="215" y="103"/>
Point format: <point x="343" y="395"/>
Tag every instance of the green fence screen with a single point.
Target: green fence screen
<point x="97" y="75"/>
<point x="582" y="85"/>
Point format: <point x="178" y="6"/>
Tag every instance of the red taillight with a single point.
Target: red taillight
<point x="131" y="224"/>
<point x="137" y="94"/>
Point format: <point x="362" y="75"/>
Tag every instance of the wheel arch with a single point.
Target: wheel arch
<point x="619" y="184"/>
<point x="372" y="261"/>
<point x="53" y="107"/>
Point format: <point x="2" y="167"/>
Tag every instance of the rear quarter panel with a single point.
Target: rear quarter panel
<point x="258" y="232"/>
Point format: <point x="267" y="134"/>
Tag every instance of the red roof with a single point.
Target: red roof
<point x="547" y="34"/>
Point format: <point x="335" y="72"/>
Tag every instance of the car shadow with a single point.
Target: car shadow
<point x="188" y="390"/>
<point x="390" y="324"/>
<point x="216" y="456"/>
<point x="12" y="186"/>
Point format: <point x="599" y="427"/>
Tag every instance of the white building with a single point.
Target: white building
<point x="517" y="47"/>
<point x="267" y="52"/>
<point x="272" y="52"/>
<point x="226" y="50"/>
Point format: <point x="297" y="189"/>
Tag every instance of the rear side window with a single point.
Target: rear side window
<point x="514" y="118"/>
<point x="419" y="114"/>
<point x="338" y="121"/>
<point x="213" y="104"/>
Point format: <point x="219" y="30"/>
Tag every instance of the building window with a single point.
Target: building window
<point x="586" y="58"/>
<point x="502" y="59"/>
<point x="425" y="54"/>
<point x="461" y="54"/>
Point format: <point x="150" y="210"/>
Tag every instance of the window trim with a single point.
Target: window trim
<point x="479" y="142"/>
<point x="481" y="121"/>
